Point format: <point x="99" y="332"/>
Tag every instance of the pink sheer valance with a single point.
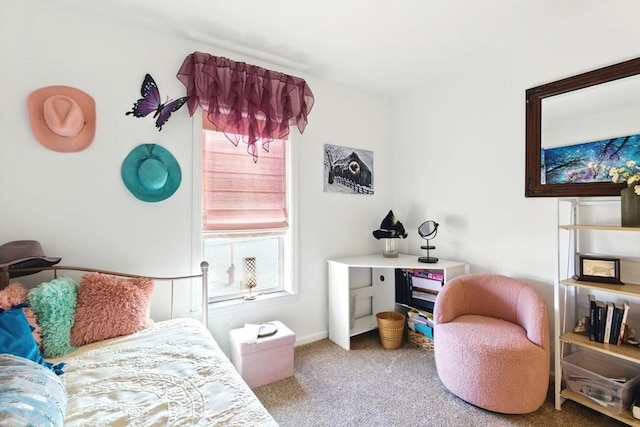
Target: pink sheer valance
<point x="244" y="101"/>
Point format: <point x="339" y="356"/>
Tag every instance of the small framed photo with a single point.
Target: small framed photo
<point x="597" y="269"/>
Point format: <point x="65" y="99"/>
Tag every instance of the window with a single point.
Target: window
<point x="246" y="214"/>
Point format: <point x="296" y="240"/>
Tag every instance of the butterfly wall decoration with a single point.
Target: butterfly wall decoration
<point x="152" y="103"/>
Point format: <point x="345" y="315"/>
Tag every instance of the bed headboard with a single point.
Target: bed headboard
<point x="204" y="282"/>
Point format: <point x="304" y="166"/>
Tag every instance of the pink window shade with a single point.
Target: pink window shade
<point x="251" y="102"/>
<point x="239" y="194"/>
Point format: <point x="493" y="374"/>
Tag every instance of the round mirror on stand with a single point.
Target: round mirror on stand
<point x="428" y="231"/>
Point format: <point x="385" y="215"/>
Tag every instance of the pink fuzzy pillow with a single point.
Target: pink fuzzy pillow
<point x="110" y="306"/>
<point x="15" y="294"/>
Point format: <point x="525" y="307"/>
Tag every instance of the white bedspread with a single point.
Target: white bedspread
<point x="172" y="374"/>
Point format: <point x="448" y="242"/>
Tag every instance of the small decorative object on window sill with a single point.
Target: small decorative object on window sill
<point x="250" y="280"/>
<point x="630" y="196"/>
<point x="390" y="231"/>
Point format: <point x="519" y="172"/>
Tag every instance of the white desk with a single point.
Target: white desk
<point x="361" y="286"/>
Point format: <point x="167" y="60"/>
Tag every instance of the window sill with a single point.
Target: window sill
<point x="272" y="297"/>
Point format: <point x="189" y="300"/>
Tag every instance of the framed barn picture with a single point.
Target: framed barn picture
<point x="348" y="170"/>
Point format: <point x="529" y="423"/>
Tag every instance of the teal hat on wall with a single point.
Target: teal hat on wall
<point x="151" y="172"/>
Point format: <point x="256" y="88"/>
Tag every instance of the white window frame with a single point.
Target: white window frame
<point x="290" y="262"/>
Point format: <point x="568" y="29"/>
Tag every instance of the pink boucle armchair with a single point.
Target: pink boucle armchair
<point x="491" y="342"/>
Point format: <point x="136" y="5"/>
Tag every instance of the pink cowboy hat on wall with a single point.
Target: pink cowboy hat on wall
<point x="62" y="118"/>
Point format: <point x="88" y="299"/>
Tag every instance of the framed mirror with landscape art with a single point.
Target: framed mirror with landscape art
<point x="579" y="128"/>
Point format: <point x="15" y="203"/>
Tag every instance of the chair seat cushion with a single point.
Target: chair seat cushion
<point x="481" y="359"/>
<point x="489" y="335"/>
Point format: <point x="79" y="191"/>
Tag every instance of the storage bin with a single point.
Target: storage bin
<point x="268" y="360"/>
<point x="419" y="340"/>
<point x="594" y="376"/>
<point x="391" y="328"/>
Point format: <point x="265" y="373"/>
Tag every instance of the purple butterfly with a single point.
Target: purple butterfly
<point x="151" y="102"/>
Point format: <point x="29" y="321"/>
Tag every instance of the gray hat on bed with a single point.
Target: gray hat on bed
<point x="24" y="254"/>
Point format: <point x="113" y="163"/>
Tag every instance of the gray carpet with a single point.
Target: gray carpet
<point x="371" y="386"/>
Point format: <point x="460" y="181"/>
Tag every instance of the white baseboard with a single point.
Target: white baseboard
<point x="311" y="338"/>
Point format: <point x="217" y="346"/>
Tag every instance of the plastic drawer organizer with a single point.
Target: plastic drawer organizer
<point x="610" y="383"/>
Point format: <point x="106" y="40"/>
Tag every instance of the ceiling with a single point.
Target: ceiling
<point x="384" y="47"/>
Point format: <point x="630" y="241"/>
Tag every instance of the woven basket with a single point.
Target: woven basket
<point x="419" y="340"/>
<point x="391" y="328"/>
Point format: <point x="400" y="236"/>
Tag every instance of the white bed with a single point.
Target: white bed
<point x="173" y="373"/>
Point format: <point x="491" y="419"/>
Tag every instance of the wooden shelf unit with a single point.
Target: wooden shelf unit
<point x="627" y="289"/>
<point x="623" y="351"/>
<point x="566" y="338"/>
<point x="625" y="416"/>
<point x="597" y="227"/>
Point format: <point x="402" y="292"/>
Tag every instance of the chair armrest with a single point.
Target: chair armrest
<point x="531" y="314"/>
<point x="450" y="302"/>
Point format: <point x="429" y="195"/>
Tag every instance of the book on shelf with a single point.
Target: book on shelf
<point x="422" y="313"/>
<point x="418" y="321"/>
<point x="623" y="322"/>
<point x="616" y="322"/>
<point x="425" y="296"/>
<point x="425" y="284"/>
<point x="428" y="274"/>
<point x="592" y="317"/>
<point x="403" y="285"/>
<point x="601" y="320"/>
<point x="607" y="323"/>
<point x="425" y="330"/>
<point x="418" y="317"/>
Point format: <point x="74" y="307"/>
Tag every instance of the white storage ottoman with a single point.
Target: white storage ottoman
<point x="268" y="360"/>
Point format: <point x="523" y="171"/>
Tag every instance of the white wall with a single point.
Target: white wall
<point x="460" y="146"/>
<point x="76" y="204"/>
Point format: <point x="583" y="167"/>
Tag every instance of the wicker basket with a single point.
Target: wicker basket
<point x="391" y="328"/>
<point x="419" y="340"/>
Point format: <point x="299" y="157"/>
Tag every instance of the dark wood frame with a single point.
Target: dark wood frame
<point x="580" y="260"/>
<point x="534" y="97"/>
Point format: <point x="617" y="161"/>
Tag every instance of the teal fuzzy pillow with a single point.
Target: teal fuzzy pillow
<point x="54" y="304"/>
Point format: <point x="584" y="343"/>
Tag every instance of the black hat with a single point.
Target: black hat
<point x="390" y="228"/>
